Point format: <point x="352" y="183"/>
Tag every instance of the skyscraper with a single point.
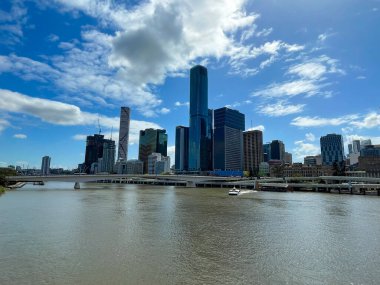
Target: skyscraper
<point x="332" y="149"/>
<point x="200" y="154"/>
<point x="125" y="113"/>
<point x="181" y="148"/>
<point x="253" y="150"/>
<point x="45" y="165"/>
<point x="152" y="140"/>
<point x="228" y="139"/>
<point x="277" y="150"/>
<point x="108" y="159"/>
<point x="267" y="152"/>
<point x="94" y="151"/>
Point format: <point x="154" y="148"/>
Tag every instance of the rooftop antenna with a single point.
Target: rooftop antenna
<point x="111" y="132"/>
<point x="100" y="130"/>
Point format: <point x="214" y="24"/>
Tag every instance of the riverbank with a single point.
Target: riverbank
<point x="2" y="189"/>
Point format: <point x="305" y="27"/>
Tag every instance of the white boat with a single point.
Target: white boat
<point x="234" y="191"/>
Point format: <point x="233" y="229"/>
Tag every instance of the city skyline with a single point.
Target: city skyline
<point x="297" y="72"/>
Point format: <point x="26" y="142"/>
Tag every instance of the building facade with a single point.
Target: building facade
<point x="332" y="149"/>
<point x="152" y="140"/>
<point x="134" y="166"/>
<point x="181" y="148"/>
<point x="277" y="150"/>
<point x="228" y="139"/>
<point x="266" y="152"/>
<point x="94" y="151"/>
<point x="200" y="152"/>
<point x="253" y="151"/>
<point x="45" y="165"/>
<point x="125" y="114"/>
<point x="108" y="159"/>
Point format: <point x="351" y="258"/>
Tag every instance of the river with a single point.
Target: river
<point x="141" y="234"/>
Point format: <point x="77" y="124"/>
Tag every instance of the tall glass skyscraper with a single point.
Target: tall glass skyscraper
<point x="181" y="148"/>
<point x="152" y="140"/>
<point x="228" y="139"/>
<point x="200" y="152"/>
<point x="125" y="114"/>
<point x="332" y="149"/>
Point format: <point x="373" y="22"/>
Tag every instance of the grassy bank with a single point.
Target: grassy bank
<point x="2" y="189"/>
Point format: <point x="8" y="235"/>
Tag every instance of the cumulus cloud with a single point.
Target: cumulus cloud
<point x="171" y="153"/>
<point x="179" y="104"/>
<point x="309" y="78"/>
<point x="164" y="111"/>
<point x="310" y="137"/>
<point x="303" y="149"/>
<point x="281" y="108"/>
<point x="370" y="120"/>
<point x="59" y="113"/>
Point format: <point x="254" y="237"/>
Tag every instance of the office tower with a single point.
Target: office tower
<point x="288" y="158"/>
<point x="267" y="152"/>
<point x="356" y="146"/>
<point x="108" y="159"/>
<point x="125" y="113"/>
<point x="332" y="149"/>
<point x="200" y="154"/>
<point x="364" y="143"/>
<point x="152" y="140"/>
<point x="253" y="151"/>
<point x="350" y="149"/>
<point x="228" y="139"/>
<point x="181" y="148"/>
<point x="310" y="160"/>
<point x="45" y="165"/>
<point x="277" y="150"/>
<point x="94" y="151"/>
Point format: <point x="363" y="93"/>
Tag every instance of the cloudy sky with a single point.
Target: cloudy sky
<point x="297" y="69"/>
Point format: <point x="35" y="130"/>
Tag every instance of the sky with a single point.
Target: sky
<point x="297" y="69"/>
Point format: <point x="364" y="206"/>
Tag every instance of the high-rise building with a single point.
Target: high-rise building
<point x="364" y="143"/>
<point x="152" y="140"/>
<point x="356" y="146"/>
<point x="267" y="152"/>
<point x="332" y="149"/>
<point x="228" y="139"/>
<point x="153" y="158"/>
<point x="108" y="159"/>
<point x="125" y="113"/>
<point x="253" y="150"/>
<point x="94" y="151"/>
<point x="350" y="149"/>
<point x="162" y="166"/>
<point x="277" y="149"/>
<point x="181" y="148"/>
<point x="310" y="160"/>
<point x="45" y="165"/>
<point x="288" y="158"/>
<point x="200" y="147"/>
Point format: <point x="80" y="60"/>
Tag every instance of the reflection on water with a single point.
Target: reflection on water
<point x="131" y="234"/>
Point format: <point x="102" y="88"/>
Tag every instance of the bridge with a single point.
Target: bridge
<point x="188" y="180"/>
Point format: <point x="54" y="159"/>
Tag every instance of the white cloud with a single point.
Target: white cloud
<point x="3" y="124"/>
<point x="164" y="111"/>
<point x="179" y="104"/>
<point x="310" y="79"/>
<point x="259" y="127"/>
<point x="12" y="23"/>
<point x="53" y="38"/>
<point x="370" y="120"/>
<point x="264" y="32"/>
<point x="310" y="137"/>
<point x="321" y="122"/>
<point x="171" y="153"/>
<point x="59" y="113"/>
<point x="303" y="149"/>
<point x="281" y="108"/>
<point x="367" y="121"/>
<point x="20" y="136"/>
<point x="361" y="77"/>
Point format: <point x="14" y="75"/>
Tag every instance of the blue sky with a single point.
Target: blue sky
<point x="297" y="70"/>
